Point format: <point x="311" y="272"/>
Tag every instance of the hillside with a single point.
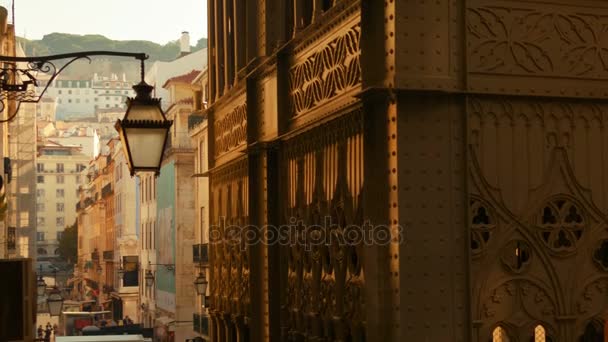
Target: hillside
<point x="56" y="43"/>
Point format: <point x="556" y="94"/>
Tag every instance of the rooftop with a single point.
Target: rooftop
<point x="185" y="78"/>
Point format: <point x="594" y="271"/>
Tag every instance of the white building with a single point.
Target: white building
<point x="160" y="71"/>
<point x="82" y="97"/>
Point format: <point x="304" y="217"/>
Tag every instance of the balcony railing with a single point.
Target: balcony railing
<point x="200" y="253"/>
<point x="200" y="324"/>
<point x="196" y="322"/>
<point x="108" y="255"/>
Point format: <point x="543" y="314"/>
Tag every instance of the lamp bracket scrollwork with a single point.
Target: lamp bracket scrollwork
<point x="19" y="75"/>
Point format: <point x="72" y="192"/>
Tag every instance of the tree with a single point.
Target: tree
<point x="68" y="244"/>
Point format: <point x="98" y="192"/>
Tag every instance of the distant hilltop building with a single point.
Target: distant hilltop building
<point x="83" y="97"/>
<point x="160" y="72"/>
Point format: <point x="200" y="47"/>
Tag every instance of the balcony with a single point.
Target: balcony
<point x="108" y="255"/>
<point x="106" y="190"/>
<point x="200" y="253"/>
<point x="194" y="120"/>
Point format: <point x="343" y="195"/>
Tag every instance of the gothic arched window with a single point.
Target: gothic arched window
<point x="594" y="332"/>
<point x="499" y="334"/>
<point x="540" y="335"/>
<point x="482" y="222"/>
<point x="561" y="225"/>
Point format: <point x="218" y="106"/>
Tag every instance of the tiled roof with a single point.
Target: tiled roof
<point x="185" y="78"/>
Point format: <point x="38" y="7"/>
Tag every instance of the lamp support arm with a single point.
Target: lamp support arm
<point x="18" y="83"/>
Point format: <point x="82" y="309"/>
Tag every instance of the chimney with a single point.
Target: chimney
<point x="184" y="44"/>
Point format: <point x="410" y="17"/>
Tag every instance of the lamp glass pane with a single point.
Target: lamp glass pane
<point x="55" y="302"/>
<point x="146" y="145"/>
<point x="144" y="112"/>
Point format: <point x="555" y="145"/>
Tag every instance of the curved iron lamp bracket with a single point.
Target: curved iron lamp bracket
<point x="18" y="75"/>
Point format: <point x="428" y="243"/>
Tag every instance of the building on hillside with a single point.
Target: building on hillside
<point x="160" y="71"/>
<point x="82" y="97"/>
<point x="109" y="115"/>
<point x="58" y="177"/>
<point x="198" y="131"/>
<point x="47" y="109"/>
<point x="176" y="215"/>
<point x="125" y="298"/>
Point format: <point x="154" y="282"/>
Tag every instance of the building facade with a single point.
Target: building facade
<point x="58" y="178"/>
<point x="126" y="300"/>
<point x="465" y="137"/>
<point x="198" y="131"/>
<point x="176" y="218"/>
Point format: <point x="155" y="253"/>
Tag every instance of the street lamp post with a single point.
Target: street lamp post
<point x="55" y="302"/>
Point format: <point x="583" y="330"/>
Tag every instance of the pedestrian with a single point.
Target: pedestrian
<point x="47" y="333"/>
<point x="40" y="331"/>
<point x="55" y="329"/>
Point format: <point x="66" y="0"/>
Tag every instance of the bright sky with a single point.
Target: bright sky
<point x="159" y="21"/>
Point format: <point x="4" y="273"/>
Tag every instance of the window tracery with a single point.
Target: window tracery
<point x="561" y="225"/>
<point x="516" y="256"/>
<point x="482" y="223"/>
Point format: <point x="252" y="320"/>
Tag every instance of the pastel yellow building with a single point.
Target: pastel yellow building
<point x="58" y="176"/>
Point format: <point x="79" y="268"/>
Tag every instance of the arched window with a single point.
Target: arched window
<point x="57" y="251"/>
<point x="41" y="251"/>
<point x="539" y="334"/>
<point x="594" y="332"/>
<point x="499" y="335"/>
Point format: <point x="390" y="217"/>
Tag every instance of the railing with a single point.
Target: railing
<point x="194" y="120"/>
<point x="108" y="255"/>
<point x="200" y="253"/>
<point x="196" y="322"/>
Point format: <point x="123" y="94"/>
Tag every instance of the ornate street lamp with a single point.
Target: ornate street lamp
<point x="144" y="130"/>
<point x="200" y="284"/>
<point x="40" y="286"/>
<point x="149" y="278"/>
<point x="55" y="302"/>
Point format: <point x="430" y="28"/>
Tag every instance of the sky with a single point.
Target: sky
<point x="159" y="21"/>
